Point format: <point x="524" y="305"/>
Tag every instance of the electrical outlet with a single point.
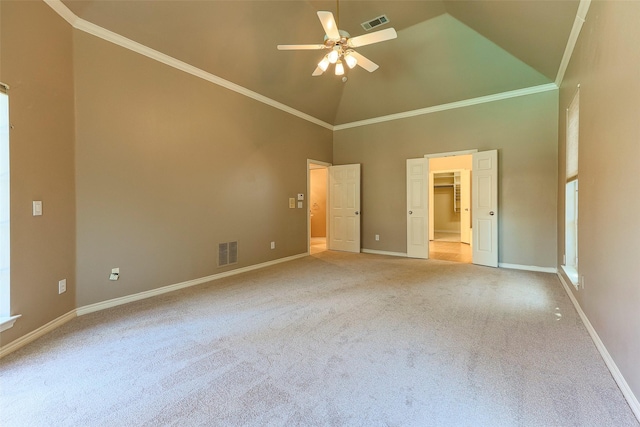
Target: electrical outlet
<point x="273" y="245"/>
<point x="377" y="237"/>
<point x="115" y="274"/>
<point x="62" y="286"/>
<point x="37" y="208"/>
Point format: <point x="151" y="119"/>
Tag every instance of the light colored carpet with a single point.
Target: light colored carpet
<point x="331" y="339"/>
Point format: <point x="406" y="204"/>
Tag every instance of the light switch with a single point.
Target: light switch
<point x="37" y="207"/>
<point x="300" y="196"/>
<point x="299" y="205"/>
<point x="292" y="203"/>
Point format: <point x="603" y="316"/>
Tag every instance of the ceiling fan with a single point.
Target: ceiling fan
<point x="341" y="45"/>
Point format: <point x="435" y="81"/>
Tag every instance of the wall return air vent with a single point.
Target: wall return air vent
<point x="227" y="253"/>
<point x="376" y="22"/>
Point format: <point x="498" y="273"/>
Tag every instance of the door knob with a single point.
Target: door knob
<point x="491" y="213"/>
<point x="410" y="212"/>
<point x="357" y="213"/>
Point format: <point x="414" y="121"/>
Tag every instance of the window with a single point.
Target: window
<point x="571" y="191"/>
<point x="6" y="320"/>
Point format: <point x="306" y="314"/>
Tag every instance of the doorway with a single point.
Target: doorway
<point x="483" y="204"/>
<point x="318" y="180"/>
<point x="450" y="208"/>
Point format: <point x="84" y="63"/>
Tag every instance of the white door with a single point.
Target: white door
<point x="344" y="208"/>
<point x="417" y="208"/>
<point x="465" y="206"/>
<point x="485" y="208"/>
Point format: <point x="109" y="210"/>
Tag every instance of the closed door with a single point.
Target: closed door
<point x="485" y="208"/>
<point x="344" y="208"/>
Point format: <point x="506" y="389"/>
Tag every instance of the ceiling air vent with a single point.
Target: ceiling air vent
<point x="376" y="22"/>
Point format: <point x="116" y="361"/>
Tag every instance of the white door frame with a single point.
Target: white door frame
<point x="344" y="208"/>
<point x="430" y="184"/>
<point x="417" y="208"/>
<point x="485" y="212"/>
<point x="326" y="165"/>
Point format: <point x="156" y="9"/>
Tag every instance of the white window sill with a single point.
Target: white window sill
<point x="572" y="274"/>
<point x="7" y="322"/>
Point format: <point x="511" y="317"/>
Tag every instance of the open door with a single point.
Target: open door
<point x="465" y="206"/>
<point x="485" y="208"/>
<point x="417" y="208"/>
<point x="344" y="208"/>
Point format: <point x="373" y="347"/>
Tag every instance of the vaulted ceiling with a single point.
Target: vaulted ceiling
<point x="446" y="51"/>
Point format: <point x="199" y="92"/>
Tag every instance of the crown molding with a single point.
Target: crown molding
<point x="450" y="106"/>
<point x="126" y="43"/>
<point x="129" y="44"/>
<point x="581" y="17"/>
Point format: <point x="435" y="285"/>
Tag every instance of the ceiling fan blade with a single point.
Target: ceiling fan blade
<point x="329" y="25"/>
<point x="317" y="72"/>
<point x="364" y="62"/>
<point x="300" y="46"/>
<point x="378" y="36"/>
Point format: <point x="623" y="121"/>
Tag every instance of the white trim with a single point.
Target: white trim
<point x="34" y="335"/>
<point x="126" y="43"/>
<point x="7" y="322"/>
<point x="326" y="229"/>
<point x="572" y="274"/>
<point x="170" y="288"/>
<point x="450" y="106"/>
<point x="608" y="360"/>
<point x="528" y="267"/>
<point x="450" y="154"/>
<point x="374" y="252"/>
<point x="581" y="16"/>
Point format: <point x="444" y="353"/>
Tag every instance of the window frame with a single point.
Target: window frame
<point x="572" y="140"/>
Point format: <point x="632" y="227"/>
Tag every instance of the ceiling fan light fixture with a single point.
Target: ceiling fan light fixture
<point x="350" y="60"/>
<point x="339" y="68"/>
<point x="333" y="56"/>
<point x="324" y="64"/>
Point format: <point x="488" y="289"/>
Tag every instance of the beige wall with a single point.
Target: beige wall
<point x="36" y="58"/>
<point x="605" y="63"/>
<point x="451" y="162"/>
<point x="524" y="130"/>
<point x="169" y="166"/>
<point x="155" y="169"/>
<point x="318" y="202"/>
<point x="446" y="197"/>
<point x="444" y="217"/>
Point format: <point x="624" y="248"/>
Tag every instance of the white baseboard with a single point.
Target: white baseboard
<point x="528" y="267"/>
<point x="632" y="400"/>
<point x="34" y="335"/>
<point x="170" y="288"/>
<point x="372" y="251"/>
